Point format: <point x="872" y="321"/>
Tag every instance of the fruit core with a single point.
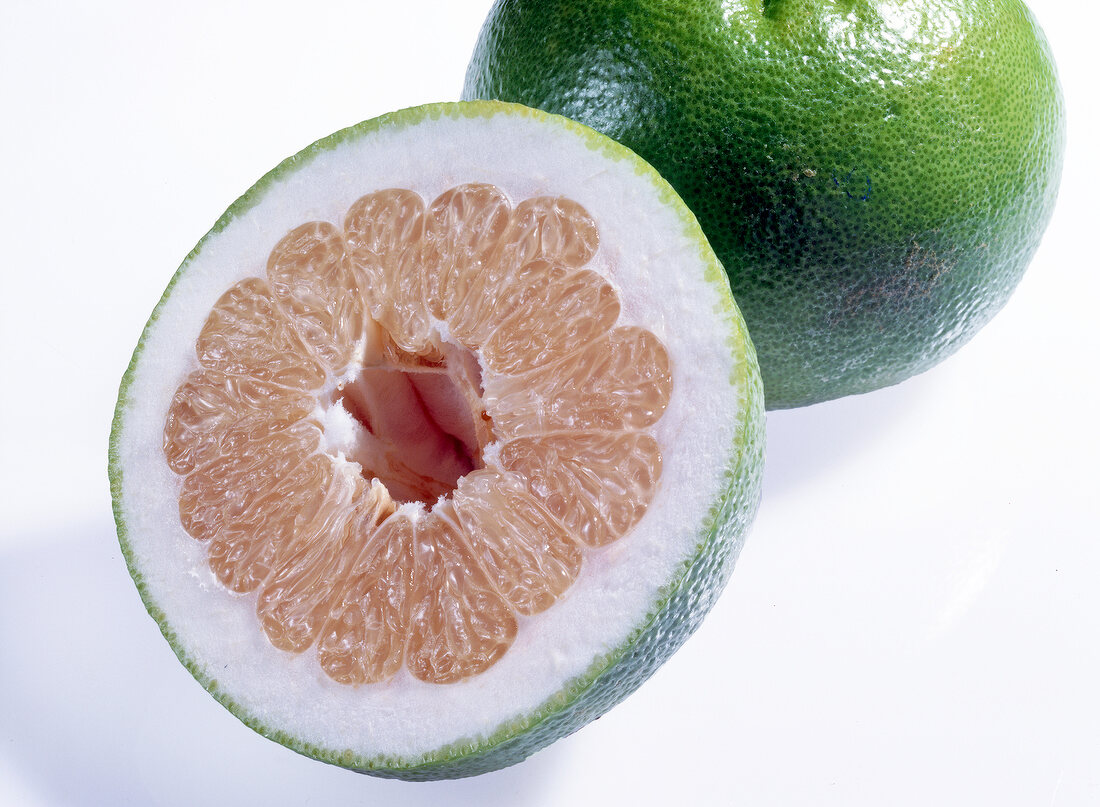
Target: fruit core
<point x="416" y="427"/>
<point x="406" y="438"/>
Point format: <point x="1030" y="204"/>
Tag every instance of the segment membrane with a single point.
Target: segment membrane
<point x="453" y="401"/>
<point x="401" y="442"/>
<point x="325" y="393"/>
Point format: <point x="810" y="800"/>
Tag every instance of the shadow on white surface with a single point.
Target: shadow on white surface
<point x="810" y="441"/>
<point x="96" y="709"/>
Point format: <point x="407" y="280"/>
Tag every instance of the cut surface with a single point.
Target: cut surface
<point x="440" y="442"/>
<point x="417" y="423"/>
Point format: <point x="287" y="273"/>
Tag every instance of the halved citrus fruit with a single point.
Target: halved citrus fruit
<point x="440" y="442"/>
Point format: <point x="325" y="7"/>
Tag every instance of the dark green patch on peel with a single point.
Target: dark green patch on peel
<point x="679" y="607"/>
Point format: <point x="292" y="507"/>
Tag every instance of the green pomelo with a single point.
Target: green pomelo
<point x="637" y="595"/>
<point x="875" y="175"/>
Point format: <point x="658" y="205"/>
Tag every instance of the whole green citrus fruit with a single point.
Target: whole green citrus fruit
<point x="875" y="175"/>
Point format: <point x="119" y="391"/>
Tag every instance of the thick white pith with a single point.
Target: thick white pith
<point x="658" y="271"/>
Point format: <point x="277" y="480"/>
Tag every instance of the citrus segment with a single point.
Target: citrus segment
<point x="247" y="536"/>
<point x="214" y="414"/>
<point x="384" y="232"/>
<point x="622" y="380"/>
<point x="464" y="225"/>
<point x="553" y="227"/>
<point x="318" y="291"/>
<point x="246" y="334"/>
<point x="530" y="556"/>
<point x="312" y="566"/>
<point x="363" y="641"/>
<point x="550" y="312"/>
<point x="598" y="484"/>
<point x="550" y="228"/>
<point x="244" y="553"/>
<point x="460" y="624"/>
<point x="224" y="492"/>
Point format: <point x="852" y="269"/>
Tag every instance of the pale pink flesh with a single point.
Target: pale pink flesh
<point x="345" y="318"/>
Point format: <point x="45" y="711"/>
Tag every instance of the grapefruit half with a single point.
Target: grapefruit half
<point x="442" y="439"/>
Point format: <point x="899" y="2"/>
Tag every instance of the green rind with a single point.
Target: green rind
<point x="875" y="193"/>
<point x="681" y="605"/>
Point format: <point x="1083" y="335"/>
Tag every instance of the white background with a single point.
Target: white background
<point x="915" y="618"/>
